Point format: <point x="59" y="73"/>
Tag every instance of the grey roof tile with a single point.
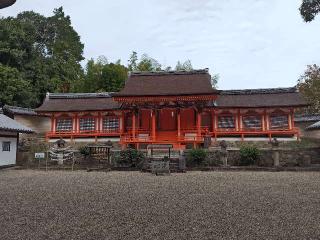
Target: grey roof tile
<point x="315" y="126"/>
<point x="19" y="110"/>
<point x="307" y="117"/>
<point x="8" y="124"/>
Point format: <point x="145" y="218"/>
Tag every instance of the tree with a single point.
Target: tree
<point x="66" y="50"/>
<point x="148" y="64"/>
<point x="132" y="62"/>
<point x="214" y="80"/>
<point x="45" y="50"/>
<point x="309" y="9"/>
<point x="114" y="76"/>
<point x="14" y="89"/>
<point x="309" y="85"/>
<point x="186" y="66"/>
<point x="92" y="77"/>
<point x="102" y="76"/>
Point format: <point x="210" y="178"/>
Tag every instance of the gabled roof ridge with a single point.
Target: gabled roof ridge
<point x="79" y="95"/>
<point x="160" y="73"/>
<point x="259" y="91"/>
<point x="19" y="110"/>
<point x="6" y="106"/>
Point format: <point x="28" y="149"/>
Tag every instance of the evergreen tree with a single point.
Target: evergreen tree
<point x="309" y="85"/>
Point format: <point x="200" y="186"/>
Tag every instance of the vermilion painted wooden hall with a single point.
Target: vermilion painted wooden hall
<point x="177" y="107"/>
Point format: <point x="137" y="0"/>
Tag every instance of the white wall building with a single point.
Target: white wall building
<point x="9" y="138"/>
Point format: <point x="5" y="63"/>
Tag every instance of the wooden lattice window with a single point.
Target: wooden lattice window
<point x="87" y="123"/>
<point x="226" y="122"/>
<point x="279" y="121"/>
<point x="252" y="122"/>
<point x="111" y="123"/>
<point x="64" y="125"/>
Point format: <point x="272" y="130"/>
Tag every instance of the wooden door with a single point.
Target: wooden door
<point x="145" y="119"/>
<point x="188" y="119"/>
<point x="167" y="119"/>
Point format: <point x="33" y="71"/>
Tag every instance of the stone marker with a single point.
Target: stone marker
<point x="224" y="152"/>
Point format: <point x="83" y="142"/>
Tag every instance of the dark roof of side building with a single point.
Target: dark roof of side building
<point x="8" y="124"/>
<point x="307" y="117"/>
<point x="269" y="97"/>
<point x="6" y="3"/>
<point x="18" y="110"/>
<point x="315" y="126"/>
<point x="172" y="83"/>
<point x="69" y="102"/>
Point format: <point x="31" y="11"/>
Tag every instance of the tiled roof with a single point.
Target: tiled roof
<point x="315" y="126"/>
<point x="6" y="3"/>
<point x="307" y="117"/>
<point x="170" y="83"/>
<point x="68" y="102"/>
<point x="269" y="97"/>
<point x="248" y="98"/>
<point x="19" y="110"/>
<point x="8" y="124"/>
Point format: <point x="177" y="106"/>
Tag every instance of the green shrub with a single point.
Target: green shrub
<point x="249" y="155"/>
<point x="131" y="158"/>
<point x="84" y="151"/>
<point x="196" y="157"/>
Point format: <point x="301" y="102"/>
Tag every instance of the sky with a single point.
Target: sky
<point x="249" y="43"/>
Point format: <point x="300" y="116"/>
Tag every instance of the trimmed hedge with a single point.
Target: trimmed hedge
<point x="196" y="157"/>
<point x="249" y="155"/>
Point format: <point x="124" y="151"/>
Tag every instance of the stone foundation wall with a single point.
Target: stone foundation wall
<point x="287" y="157"/>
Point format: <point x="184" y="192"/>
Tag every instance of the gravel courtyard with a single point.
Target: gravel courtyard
<point x="134" y="205"/>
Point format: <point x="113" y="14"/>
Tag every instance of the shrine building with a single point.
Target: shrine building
<point x="176" y="107"/>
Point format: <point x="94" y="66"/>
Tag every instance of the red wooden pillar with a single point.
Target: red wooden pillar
<point x="266" y="120"/>
<point x="239" y="120"/>
<point x="133" y="124"/>
<point x="213" y="122"/>
<point x="76" y="127"/>
<point x="99" y="121"/>
<point x="199" y="123"/>
<point x="153" y="118"/>
<point x="53" y="124"/>
<point x="122" y="119"/>
<point x="290" y="119"/>
<point x="179" y="123"/>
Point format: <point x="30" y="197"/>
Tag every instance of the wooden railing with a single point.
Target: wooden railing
<point x="186" y="135"/>
<point x="83" y="133"/>
<point x="191" y="135"/>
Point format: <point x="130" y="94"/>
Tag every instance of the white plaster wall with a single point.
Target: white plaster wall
<point x="8" y="158"/>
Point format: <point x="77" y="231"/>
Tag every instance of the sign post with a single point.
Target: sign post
<point x="39" y="156"/>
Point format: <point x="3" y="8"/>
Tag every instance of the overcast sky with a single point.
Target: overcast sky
<point x="249" y="43"/>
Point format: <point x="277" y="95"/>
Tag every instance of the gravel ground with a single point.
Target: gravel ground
<point x="134" y="205"/>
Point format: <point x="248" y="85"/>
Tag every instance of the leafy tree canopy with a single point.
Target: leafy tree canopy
<point x="145" y="63"/>
<point x="186" y="66"/>
<point x="45" y="51"/>
<point x="102" y="76"/>
<point x="309" y="9"/>
<point x="309" y="85"/>
<point x="14" y="89"/>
